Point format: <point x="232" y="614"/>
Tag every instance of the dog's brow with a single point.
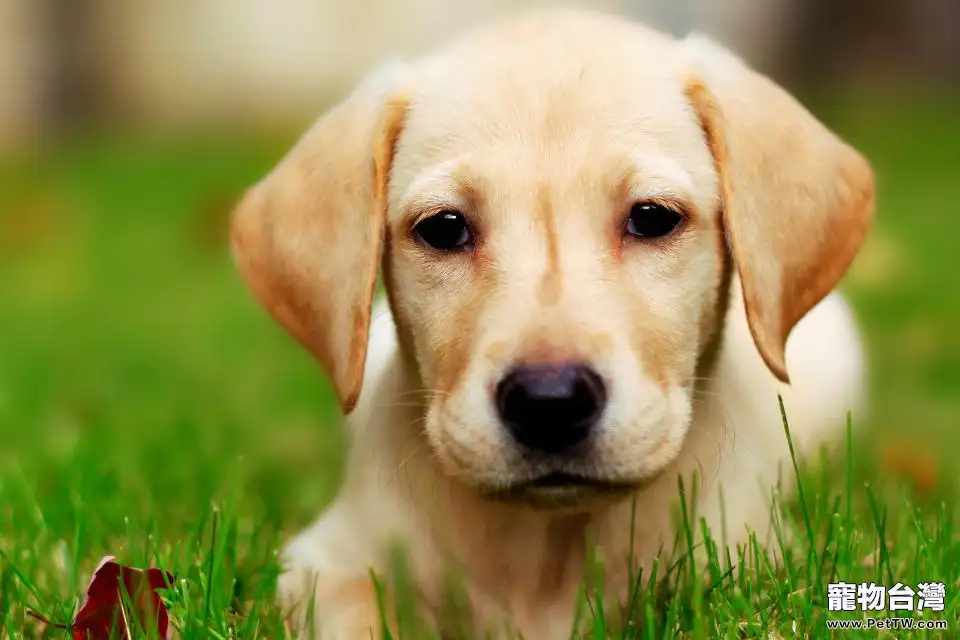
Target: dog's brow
<point x="655" y="178"/>
<point x="448" y="185"/>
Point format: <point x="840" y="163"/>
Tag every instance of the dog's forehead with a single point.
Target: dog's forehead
<point x="562" y="79"/>
<point x="584" y="95"/>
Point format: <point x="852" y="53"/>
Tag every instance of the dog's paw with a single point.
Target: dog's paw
<point x="296" y="593"/>
<point x="321" y="603"/>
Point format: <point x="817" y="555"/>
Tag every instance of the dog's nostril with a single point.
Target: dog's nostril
<point x="550" y="408"/>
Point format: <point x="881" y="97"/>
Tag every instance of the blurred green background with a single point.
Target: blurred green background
<point x="139" y="382"/>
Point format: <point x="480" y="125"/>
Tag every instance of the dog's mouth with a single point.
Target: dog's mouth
<point x="561" y="480"/>
<point x="561" y="490"/>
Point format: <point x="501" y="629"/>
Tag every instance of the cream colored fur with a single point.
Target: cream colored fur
<point x="394" y="491"/>
<point x="542" y="131"/>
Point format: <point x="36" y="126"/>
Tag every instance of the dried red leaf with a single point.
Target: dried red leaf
<point x="105" y="605"/>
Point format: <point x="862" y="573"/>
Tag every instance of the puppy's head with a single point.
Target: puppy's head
<point x="556" y="203"/>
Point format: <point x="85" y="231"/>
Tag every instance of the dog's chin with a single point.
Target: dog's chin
<point x="562" y="492"/>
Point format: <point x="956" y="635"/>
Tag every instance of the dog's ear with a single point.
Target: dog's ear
<point x="797" y="201"/>
<point x="308" y="238"/>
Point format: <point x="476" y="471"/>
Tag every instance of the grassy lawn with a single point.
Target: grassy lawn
<point x="149" y="409"/>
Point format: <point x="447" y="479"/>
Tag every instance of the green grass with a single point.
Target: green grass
<point x="150" y="410"/>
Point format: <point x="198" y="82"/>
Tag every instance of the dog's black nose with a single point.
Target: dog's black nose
<point x="550" y="408"/>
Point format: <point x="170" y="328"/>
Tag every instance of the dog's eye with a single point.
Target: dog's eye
<point x="651" y="220"/>
<point x="444" y="231"/>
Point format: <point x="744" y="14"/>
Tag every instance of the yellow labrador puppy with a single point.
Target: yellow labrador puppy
<point x="596" y="241"/>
